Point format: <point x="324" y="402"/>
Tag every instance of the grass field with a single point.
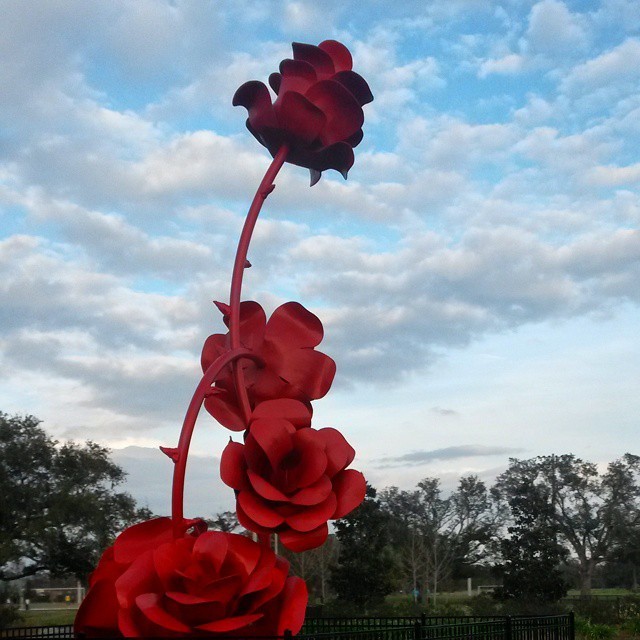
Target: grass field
<point x="33" y="618"/>
<point x="65" y="615"/>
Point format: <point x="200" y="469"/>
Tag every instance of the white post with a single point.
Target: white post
<point x="469" y="587"/>
<point x="78" y="592"/>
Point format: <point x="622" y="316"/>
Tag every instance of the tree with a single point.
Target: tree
<point x="532" y="555"/>
<point x="432" y="532"/>
<point x="591" y="510"/>
<point x="314" y="567"/>
<point x="60" y="507"/>
<point x="226" y="521"/>
<point x="406" y="528"/>
<point x="364" y="574"/>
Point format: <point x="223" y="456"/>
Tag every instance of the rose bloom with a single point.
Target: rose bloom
<point x="290" y="481"/>
<point x="149" y="584"/>
<point x="291" y="367"/>
<point x="318" y="109"/>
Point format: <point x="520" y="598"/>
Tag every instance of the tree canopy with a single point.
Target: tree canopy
<point x="591" y="510"/>
<point x="364" y="575"/>
<point x="61" y="507"/>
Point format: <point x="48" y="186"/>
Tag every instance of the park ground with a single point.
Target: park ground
<point x="64" y="614"/>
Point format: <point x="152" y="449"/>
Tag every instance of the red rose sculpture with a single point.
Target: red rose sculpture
<point x="291" y="481"/>
<point x="170" y="577"/>
<point x="291" y="367"/>
<point x="318" y="109"/>
<point x="150" y="584"/>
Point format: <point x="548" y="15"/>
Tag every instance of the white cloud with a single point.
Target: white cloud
<point x="553" y="30"/>
<point x="614" y="176"/>
<point x="620" y="65"/>
<point x="510" y="64"/>
<point x="474" y="208"/>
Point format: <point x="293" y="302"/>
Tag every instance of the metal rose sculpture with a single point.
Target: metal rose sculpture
<point x="170" y="576"/>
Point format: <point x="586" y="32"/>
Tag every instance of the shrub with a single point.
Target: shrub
<point x="632" y="626"/>
<point x="9" y="615"/>
<point x="593" y="631"/>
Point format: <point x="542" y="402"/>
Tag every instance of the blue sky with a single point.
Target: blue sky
<point x="477" y="275"/>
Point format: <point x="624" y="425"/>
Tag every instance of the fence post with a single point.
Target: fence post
<point x="287" y="634"/>
<point x="423" y="618"/>
<point x="417" y="630"/>
<point x="507" y="628"/>
<point x="572" y="625"/>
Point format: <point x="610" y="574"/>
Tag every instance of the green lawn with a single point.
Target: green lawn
<point x="604" y="592"/>
<point x="42" y="618"/>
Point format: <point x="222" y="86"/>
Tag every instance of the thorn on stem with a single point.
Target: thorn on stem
<point x="224" y="309"/>
<point x="171" y="452"/>
<point x="267" y="190"/>
<point x="247" y="264"/>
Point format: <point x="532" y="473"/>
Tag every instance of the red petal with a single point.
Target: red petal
<point x="221" y="590"/>
<point x="344" y="114"/>
<point x="149" y="605"/>
<point x="299" y="117"/>
<point x="313" y="517"/>
<point x="337" y="156"/>
<point x="340" y="453"/>
<point x="252" y="323"/>
<point x="128" y="626"/>
<point x="308" y="370"/>
<point x="255" y="97"/>
<point x="275" y="80"/>
<point x="140" y="577"/>
<point x="137" y="539"/>
<point x="294" y="605"/>
<point x="274" y="438"/>
<point x="258" y="510"/>
<point x="294" y="411"/>
<point x="314" y="494"/>
<point x="340" y="55"/>
<point x="355" y="139"/>
<point x="193" y="610"/>
<point x="297" y="541"/>
<point x="349" y="487"/>
<point x="230" y="624"/>
<point x="294" y="327"/>
<point x="246" y="551"/>
<point x="277" y="579"/>
<point x="214" y="545"/>
<point x="233" y="467"/>
<point x="98" y="611"/>
<point x="214" y="346"/>
<point x="268" y="384"/>
<point x="168" y="558"/>
<point x="107" y="568"/>
<point x="320" y="60"/>
<point x="224" y="408"/>
<point x="265" y="489"/>
<point x="313" y="460"/>
<point x="297" y="76"/>
<point x="356" y="85"/>
<point x="261" y="576"/>
<point x="248" y="523"/>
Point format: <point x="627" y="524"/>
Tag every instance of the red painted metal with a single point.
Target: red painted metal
<point x="170" y="576"/>
<point x="265" y="188"/>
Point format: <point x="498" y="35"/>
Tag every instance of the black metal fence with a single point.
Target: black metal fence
<point x="557" y="627"/>
<point x="52" y="631"/>
<point x="553" y="627"/>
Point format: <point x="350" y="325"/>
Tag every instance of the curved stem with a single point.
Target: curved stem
<point x="264" y="189"/>
<point x="179" y="470"/>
